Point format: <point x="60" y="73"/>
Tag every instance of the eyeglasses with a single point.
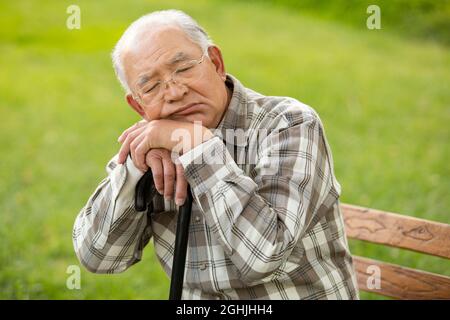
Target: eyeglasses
<point x="185" y="74"/>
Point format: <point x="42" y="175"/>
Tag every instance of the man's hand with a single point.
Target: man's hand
<point x="171" y="135"/>
<point x="150" y="151"/>
<point x="166" y="175"/>
<point x="127" y="137"/>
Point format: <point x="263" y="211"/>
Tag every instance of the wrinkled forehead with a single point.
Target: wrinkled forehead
<point x="158" y="47"/>
<point x="162" y="42"/>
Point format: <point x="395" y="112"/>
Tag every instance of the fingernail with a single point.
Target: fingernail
<point x="179" y="202"/>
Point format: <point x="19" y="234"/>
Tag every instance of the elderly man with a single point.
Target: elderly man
<point x="265" y="220"/>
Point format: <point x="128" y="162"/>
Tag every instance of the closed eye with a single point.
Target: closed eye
<point x="182" y="69"/>
<point x="152" y="88"/>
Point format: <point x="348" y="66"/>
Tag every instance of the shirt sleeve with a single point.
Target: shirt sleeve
<point x="258" y="220"/>
<point x="109" y="234"/>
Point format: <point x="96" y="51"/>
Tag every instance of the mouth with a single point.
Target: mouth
<point x="190" y="108"/>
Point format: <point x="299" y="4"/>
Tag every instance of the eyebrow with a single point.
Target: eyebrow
<point x="178" y="57"/>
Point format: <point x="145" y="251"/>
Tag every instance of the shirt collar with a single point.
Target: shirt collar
<point x="236" y="113"/>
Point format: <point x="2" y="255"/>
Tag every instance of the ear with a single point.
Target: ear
<point x="135" y="105"/>
<point x="216" y="57"/>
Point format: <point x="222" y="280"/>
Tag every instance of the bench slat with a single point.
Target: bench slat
<point x="397" y="230"/>
<point x="400" y="282"/>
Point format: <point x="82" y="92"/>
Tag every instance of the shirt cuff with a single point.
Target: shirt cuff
<point x="133" y="175"/>
<point x="124" y="180"/>
<point x="208" y="164"/>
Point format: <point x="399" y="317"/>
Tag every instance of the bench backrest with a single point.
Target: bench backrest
<point x="404" y="232"/>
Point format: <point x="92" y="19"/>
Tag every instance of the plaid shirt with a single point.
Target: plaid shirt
<point x="265" y="219"/>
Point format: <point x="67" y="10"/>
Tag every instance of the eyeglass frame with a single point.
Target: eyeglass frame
<point x="171" y="78"/>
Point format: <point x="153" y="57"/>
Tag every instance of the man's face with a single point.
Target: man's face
<point x="159" y="54"/>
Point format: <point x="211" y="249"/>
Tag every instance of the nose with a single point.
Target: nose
<point x="174" y="91"/>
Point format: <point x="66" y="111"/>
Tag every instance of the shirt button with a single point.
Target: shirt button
<point x="203" y="266"/>
<point x="197" y="219"/>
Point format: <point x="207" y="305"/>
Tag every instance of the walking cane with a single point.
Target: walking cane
<point x="145" y="191"/>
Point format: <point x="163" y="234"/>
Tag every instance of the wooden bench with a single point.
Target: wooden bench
<point x="404" y="232"/>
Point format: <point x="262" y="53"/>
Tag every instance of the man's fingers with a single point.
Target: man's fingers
<point x="157" y="171"/>
<point x="125" y="134"/>
<point x="125" y="148"/>
<point x="181" y="186"/>
<point x="123" y="152"/>
<point x="169" y="177"/>
<point x="138" y="153"/>
<point x="137" y="125"/>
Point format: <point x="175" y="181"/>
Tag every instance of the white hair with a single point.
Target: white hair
<point x="130" y="37"/>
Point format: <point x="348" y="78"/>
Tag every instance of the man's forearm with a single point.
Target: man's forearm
<point x="108" y="233"/>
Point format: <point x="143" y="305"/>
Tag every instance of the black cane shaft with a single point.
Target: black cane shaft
<point x="181" y="242"/>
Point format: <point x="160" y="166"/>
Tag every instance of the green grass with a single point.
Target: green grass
<point x="422" y="19"/>
<point x="383" y="98"/>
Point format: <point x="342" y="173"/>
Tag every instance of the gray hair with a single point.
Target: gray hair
<point x="130" y="37"/>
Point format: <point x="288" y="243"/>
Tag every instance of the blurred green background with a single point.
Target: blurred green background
<point x="383" y="96"/>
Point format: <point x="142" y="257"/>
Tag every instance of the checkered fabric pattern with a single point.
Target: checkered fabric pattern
<point x="265" y="223"/>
